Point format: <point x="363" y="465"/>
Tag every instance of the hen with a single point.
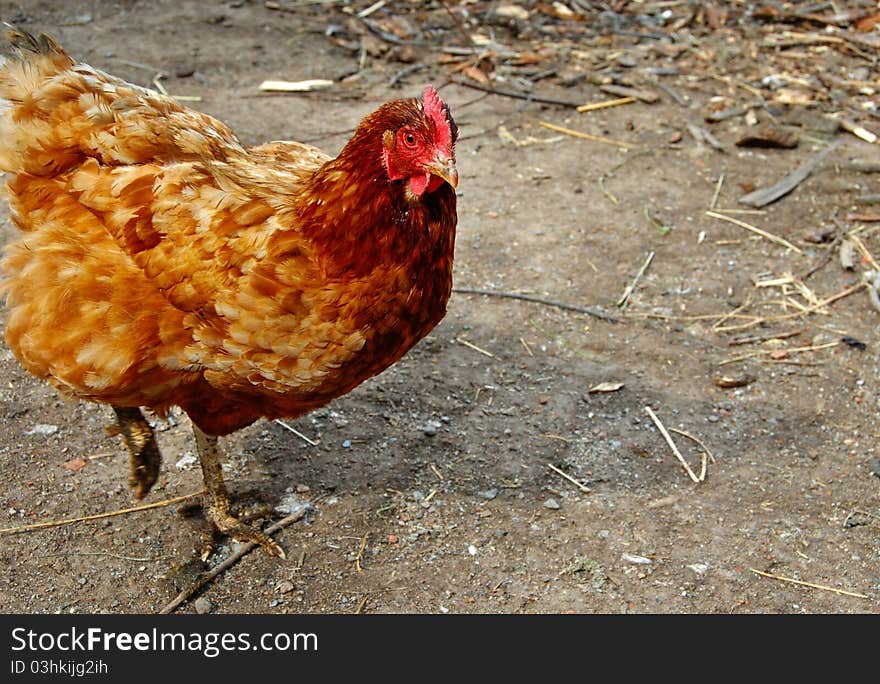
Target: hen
<point x="161" y="263"/>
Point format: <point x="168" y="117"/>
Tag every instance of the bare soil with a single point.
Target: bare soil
<point x="431" y="484"/>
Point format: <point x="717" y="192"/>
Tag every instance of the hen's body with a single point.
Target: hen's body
<point x="161" y="263"/>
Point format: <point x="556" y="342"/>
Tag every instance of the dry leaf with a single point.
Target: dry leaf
<point x="475" y="74"/>
<point x="75" y="464"/>
<point x="606" y="387"/>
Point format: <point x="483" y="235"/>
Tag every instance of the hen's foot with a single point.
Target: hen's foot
<point x="144" y="456"/>
<point x="236" y="527"/>
<point x="217" y="508"/>
<point x="211" y="521"/>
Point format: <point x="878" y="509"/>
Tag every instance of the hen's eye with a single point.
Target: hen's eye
<point x="409" y="139"/>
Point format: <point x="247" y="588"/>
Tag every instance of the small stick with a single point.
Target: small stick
<point x="606" y="192"/>
<point x="715" y="196"/>
<point x="296" y="432"/>
<point x="765" y="352"/>
<point x="763" y="233"/>
<point x="586" y="136"/>
<point x="672" y="446"/>
<point x="796" y="314"/>
<point x="475" y="347"/>
<point x="582" y="487"/>
<point x="361" y="605"/>
<point x="750" y="339"/>
<point x="557" y="437"/>
<point x="245" y="549"/>
<point x="732" y="314"/>
<point x="808" y="584"/>
<point x="98" y="516"/>
<point x="538" y="300"/>
<point x="593" y="106"/>
<point x="764" y="196"/>
<point x="825" y="258"/>
<point x="707" y="455"/>
<point x="437" y="472"/>
<point x="112" y="555"/>
<point x="526" y="345"/>
<point x="360" y="553"/>
<point x="516" y="96"/>
<point x="632" y="286"/>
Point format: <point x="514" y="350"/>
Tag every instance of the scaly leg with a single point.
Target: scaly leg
<point x="144" y="459"/>
<point x="218" y="509"/>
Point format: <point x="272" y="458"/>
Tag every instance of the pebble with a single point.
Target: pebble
<point x="699" y="568"/>
<point x="638" y="560"/>
<point x="346" y="444"/>
<point x="285" y="587"/>
<point x="489" y="494"/>
<point x="431" y="429"/>
<point x="185" y="461"/>
<point x="552" y="504"/>
<point x="203" y="606"/>
<point x="472" y="550"/>
<point x="43" y="429"/>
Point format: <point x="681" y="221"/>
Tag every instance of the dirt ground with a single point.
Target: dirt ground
<point x="431" y="484"/>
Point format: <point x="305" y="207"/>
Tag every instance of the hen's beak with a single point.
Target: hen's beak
<point x="444" y="167"/>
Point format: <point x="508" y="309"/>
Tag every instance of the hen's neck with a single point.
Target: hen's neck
<point x="358" y="218"/>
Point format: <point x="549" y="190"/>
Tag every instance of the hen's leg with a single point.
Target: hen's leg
<point x="218" y="509"/>
<point x="144" y="459"/>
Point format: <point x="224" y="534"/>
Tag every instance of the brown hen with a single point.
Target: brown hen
<point x="161" y="263"/>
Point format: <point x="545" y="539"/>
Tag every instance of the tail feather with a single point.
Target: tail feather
<point x="55" y="113"/>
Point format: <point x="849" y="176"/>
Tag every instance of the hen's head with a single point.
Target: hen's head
<point x="418" y="143"/>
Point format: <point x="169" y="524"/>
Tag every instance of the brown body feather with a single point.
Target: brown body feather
<point x="161" y="263"/>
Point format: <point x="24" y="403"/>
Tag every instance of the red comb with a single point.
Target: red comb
<point x="436" y="110"/>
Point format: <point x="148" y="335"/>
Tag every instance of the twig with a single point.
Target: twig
<point x="808" y="584"/>
<point x="406" y="71"/>
<point x="586" y="136"/>
<point x="538" y="300"/>
<point x="593" y="106"/>
<point x="458" y="25"/>
<point x="632" y="286"/>
<point x="826" y="257"/>
<point x="606" y="192"/>
<point x="765" y="196"/>
<point x="360" y="553"/>
<point x="763" y="233"/>
<point x="733" y="313"/>
<point x="526" y="345"/>
<point x="475" y="347"/>
<point x="111" y="555"/>
<point x="750" y="339"/>
<point x="707" y="455"/>
<point x="517" y="96"/>
<point x="245" y="549"/>
<point x="296" y="432"/>
<point x="582" y="487"/>
<point x="717" y="193"/>
<point x="361" y="605"/>
<point x="672" y="446"/>
<point x="796" y="314"/>
<point x="98" y="516"/>
<point x="765" y="352"/>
